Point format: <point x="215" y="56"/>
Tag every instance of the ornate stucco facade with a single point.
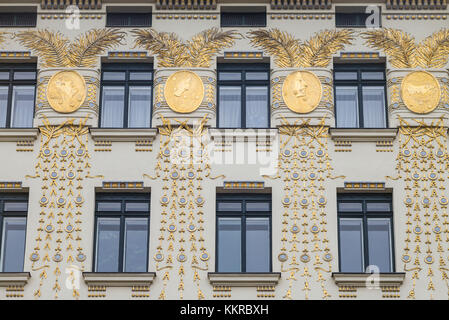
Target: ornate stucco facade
<point x="302" y="161"/>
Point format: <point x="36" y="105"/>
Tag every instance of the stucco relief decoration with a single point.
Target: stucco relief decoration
<point x="421" y="91"/>
<point x="184" y="91"/>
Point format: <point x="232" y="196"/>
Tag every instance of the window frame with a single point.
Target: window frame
<point x="356" y="10"/>
<point x="109" y="25"/>
<point x="242" y="214"/>
<point x="32" y="14"/>
<point x="244" y="15"/>
<point x="360" y="83"/>
<point x="11" y="83"/>
<point x="17" y="197"/>
<point x="128" y="68"/>
<point x="244" y="68"/>
<point x="123" y="198"/>
<point x="364" y="215"/>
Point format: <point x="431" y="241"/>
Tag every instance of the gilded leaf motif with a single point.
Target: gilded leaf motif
<point x="433" y="52"/>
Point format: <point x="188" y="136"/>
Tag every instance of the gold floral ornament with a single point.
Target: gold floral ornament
<point x="173" y="52"/>
<point x="184" y="91"/>
<point x="66" y="91"/>
<point x="403" y="52"/>
<point x="289" y="52"/>
<point x="54" y="49"/>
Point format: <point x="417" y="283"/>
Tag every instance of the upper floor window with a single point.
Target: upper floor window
<point x="360" y="99"/>
<point x="243" y="95"/>
<point x="121" y="235"/>
<point x="13" y="218"/>
<point x="138" y="18"/>
<point x="365" y="232"/>
<point x="243" y="17"/>
<point x="17" y="92"/>
<point x="18" y="19"/>
<point x="357" y="17"/>
<point x="126" y="96"/>
<point x="243" y="233"/>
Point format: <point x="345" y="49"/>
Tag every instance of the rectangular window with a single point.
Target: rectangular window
<point x="243" y="233"/>
<point x="122" y="232"/>
<point x="13" y="219"/>
<point x="17" y="95"/>
<point x="18" y="19"/>
<point x="126" y="96"/>
<point x="360" y="96"/>
<point x="243" y="17"/>
<point x="128" y="19"/>
<point x="365" y="232"/>
<point x="243" y="96"/>
<point x="357" y="17"/>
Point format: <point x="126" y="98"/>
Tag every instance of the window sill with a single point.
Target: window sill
<point x="238" y="133"/>
<point x="18" y="279"/>
<point x="119" y="279"/>
<point x="393" y="279"/>
<point x="363" y="134"/>
<point x="16" y="134"/>
<point x="123" y="135"/>
<point x="237" y="279"/>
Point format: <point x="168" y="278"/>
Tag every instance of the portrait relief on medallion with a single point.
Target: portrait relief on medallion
<point x="66" y="91"/>
<point x="420" y="92"/>
<point x="302" y="91"/>
<point x="184" y="91"/>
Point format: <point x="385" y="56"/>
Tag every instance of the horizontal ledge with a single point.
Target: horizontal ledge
<point x="361" y="279"/>
<point x="14" y="278"/>
<point x="243" y="133"/>
<point x="123" y="135"/>
<point x="119" y="279"/>
<point x="13" y="134"/>
<point x="363" y="135"/>
<point x="237" y="279"/>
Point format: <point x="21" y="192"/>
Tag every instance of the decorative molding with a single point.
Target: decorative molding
<point x="9" y="279"/>
<point x="119" y="279"/>
<point x="127" y="54"/>
<point x="360" y="280"/>
<point x="186" y="16"/>
<point x="359" y="55"/>
<point x="9" y="185"/>
<point x="244" y="279"/>
<point x="15" y="54"/>
<point x="364" y="186"/>
<point x="301" y="4"/>
<point x="123" y="185"/>
<point x="186" y="4"/>
<point x="62" y="4"/>
<point x="236" y="185"/>
<point x="123" y="135"/>
<point x="363" y="134"/>
<point x="287" y="16"/>
<point x="243" y="55"/>
<point x="416" y="17"/>
<point x="16" y="135"/>
<point x="416" y="4"/>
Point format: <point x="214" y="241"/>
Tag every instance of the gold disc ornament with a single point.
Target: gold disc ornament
<point x="420" y="92"/>
<point x="184" y="91"/>
<point x="302" y="91"/>
<point x="66" y="91"/>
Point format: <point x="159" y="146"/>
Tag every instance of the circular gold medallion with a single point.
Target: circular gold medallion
<point x="420" y="92"/>
<point x="66" y="91"/>
<point x="184" y="91"/>
<point x="302" y="91"/>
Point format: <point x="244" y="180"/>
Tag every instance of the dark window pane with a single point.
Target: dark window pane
<point x="137" y="206"/>
<point x="107" y="251"/>
<point x="250" y="19"/>
<point x="347" y="106"/>
<point x="16" y="206"/>
<point x="345" y="75"/>
<point x="13" y="244"/>
<point x="22" y="108"/>
<point x="24" y="75"/>
<point x="229" y="245"/>
<point x="229" y="206"/>
<point x="113" y="107"/>
<point x="372" y="75"/>
<point x="257" y="245"/>
<point x="379" y="244"/>
<point x="18" y="19"/>
<point x="257" y="107"/>
<point x="378" y="206"/>
<point x="136" y="239"/>
<point x="3" y="105"/>
<point x="230" y="76"/>
<point x="357" y="19"/>
<point x="114" y="75"/>
<point x="350" y="206"/>
<point x="128" y="19"/>
<point x="258" y="206"/>
<point x="257" y="76"/>
<point x="141" y="76"/>
<point x="230" y="107"/>
<point x="109" y="206"/>
<point x="374" y="107"/>
<point x="4" y="75"/>
<point x="139" y="107"/>
<point x="351" y="245"/>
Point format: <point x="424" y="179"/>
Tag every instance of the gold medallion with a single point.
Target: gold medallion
<point x="184" y="91"/>
<point x="420" y="92"/>
<point x="302" y="91"/>
<point x="66" y="91"/>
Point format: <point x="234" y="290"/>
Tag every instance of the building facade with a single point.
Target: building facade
<point x="203" y="149"/>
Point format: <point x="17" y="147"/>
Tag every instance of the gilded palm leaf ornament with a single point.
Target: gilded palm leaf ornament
<point x="171" y="51"/>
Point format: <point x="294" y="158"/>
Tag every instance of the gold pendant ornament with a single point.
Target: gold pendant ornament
<point x="66" y="91"/>
<point x="184" y="91"/>
<point x="302" y="91"/>
<point x="420" y="92"/>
